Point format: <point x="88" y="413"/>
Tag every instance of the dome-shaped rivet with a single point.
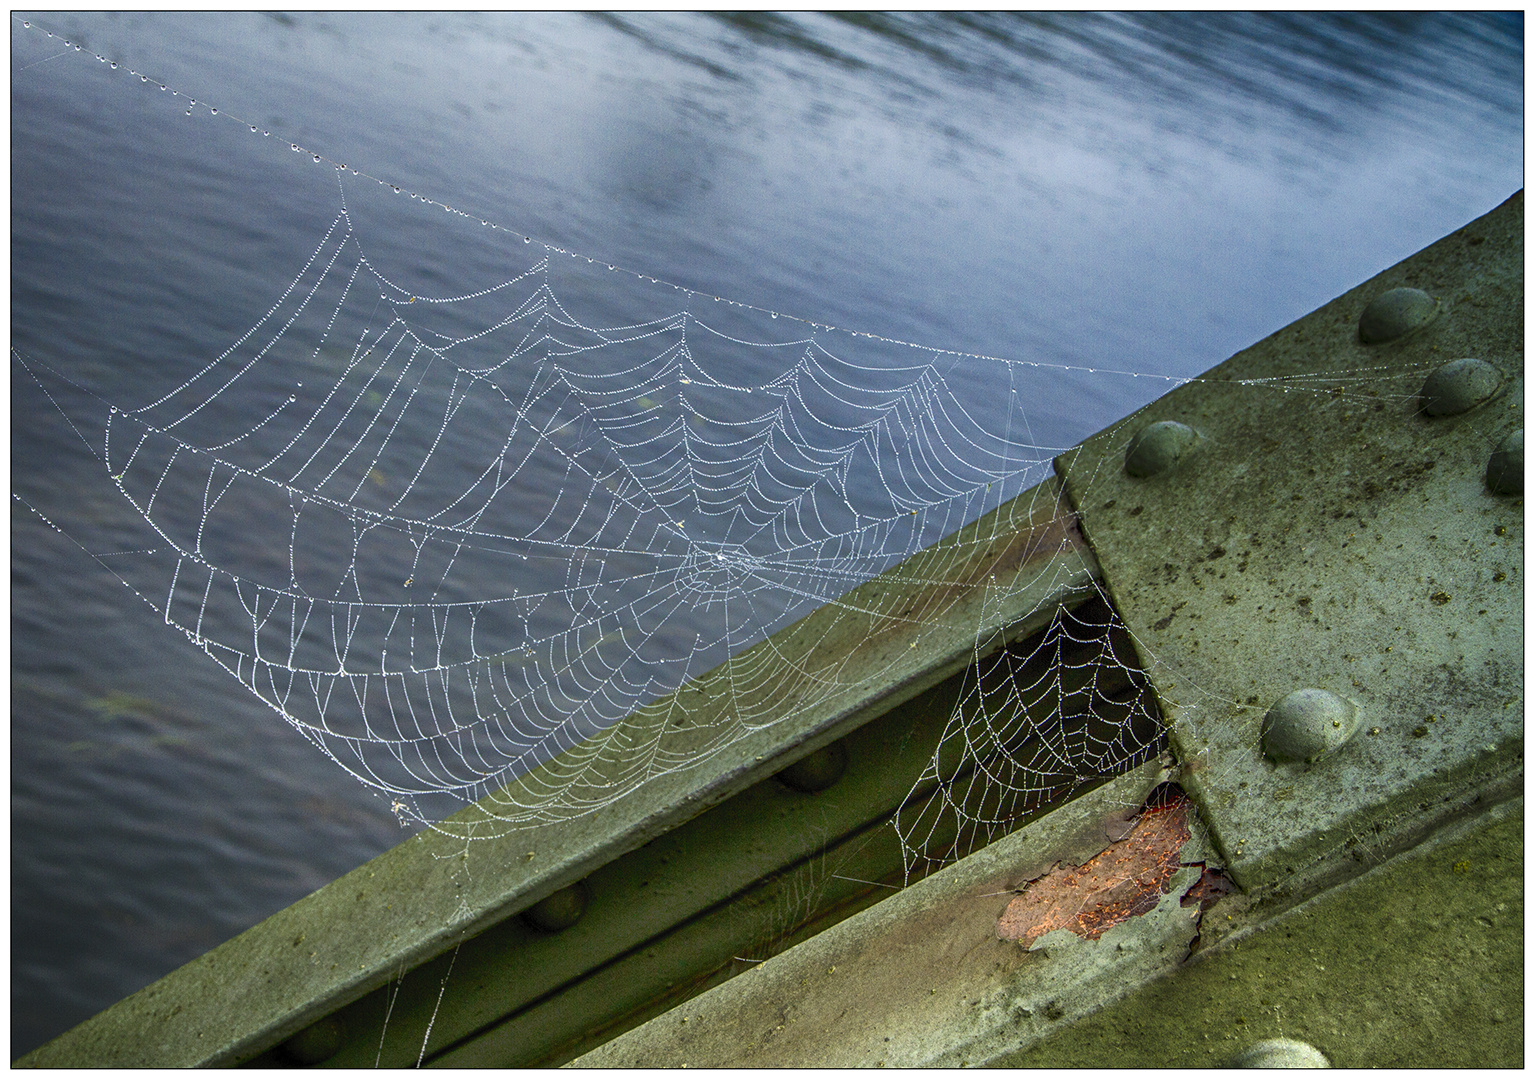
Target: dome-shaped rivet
<point x="558" y="911"/>
<point x="817" y="771"/>
<point x="1282" y="1054"/>
<point x="1396" y="313"/>
<point x="319" y="1042"/>
<point x="1308" y="724"/>
<point x="1505" y="469"/>
<point x="1458" y="386"/>
<point x="1157" y="447"/>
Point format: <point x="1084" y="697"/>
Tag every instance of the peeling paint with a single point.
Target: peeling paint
<point x="1119" y="883"/>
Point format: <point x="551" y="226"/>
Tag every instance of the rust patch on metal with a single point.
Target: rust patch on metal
<point x="1123" y="881"/>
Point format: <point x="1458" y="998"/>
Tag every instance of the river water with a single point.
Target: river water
<point x="1147" y="194"/>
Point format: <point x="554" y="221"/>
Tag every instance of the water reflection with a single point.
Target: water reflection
<point x="1317" y="69"/>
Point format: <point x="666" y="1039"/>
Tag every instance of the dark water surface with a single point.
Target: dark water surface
<point x="1144" y="194"/>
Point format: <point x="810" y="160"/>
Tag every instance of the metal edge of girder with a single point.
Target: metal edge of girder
<point x="992" y="581"/>
<point x="1323" y="531"/>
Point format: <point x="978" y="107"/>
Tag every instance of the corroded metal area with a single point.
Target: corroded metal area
<point x="1331" y="533"/>
<point x="1119" y="883"/>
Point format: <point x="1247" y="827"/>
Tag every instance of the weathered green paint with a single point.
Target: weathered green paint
<point x="1412" y="960"/>
<point x="885" y="642"/>
<point x="1419" y="964"/>
<point x="1344" y="541"/>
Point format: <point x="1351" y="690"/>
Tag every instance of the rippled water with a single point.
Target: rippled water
<point x="1149" y="193"/>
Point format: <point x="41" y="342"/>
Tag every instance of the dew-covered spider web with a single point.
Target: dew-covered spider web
<point x="461" y="538"/>
<point x="450" y="537"/>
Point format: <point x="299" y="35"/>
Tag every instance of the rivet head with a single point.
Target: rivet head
<point x="1396" y="313"/>
<point x="817" y="771"/>
<point x="558" y="911"/>
<point x="1505" y="469"/>
<point x="1458" y="386"/>
<point x="1308" y="724"/>
<point x="1282" y="1054"/>
<point x="319" y="1042"/>
<point x="1157" y="447"/>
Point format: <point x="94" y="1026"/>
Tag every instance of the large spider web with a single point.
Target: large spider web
<point x="449" y="537"/>
<point x="452" y="536"/>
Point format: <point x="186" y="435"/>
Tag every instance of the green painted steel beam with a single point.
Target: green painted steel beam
<point x="1264" y="546"/>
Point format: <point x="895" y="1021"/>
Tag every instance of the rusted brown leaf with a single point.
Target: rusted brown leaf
<point x="1120" y="883"/>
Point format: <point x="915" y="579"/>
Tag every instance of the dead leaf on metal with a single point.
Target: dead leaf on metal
<point x="1120" y="883"/>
